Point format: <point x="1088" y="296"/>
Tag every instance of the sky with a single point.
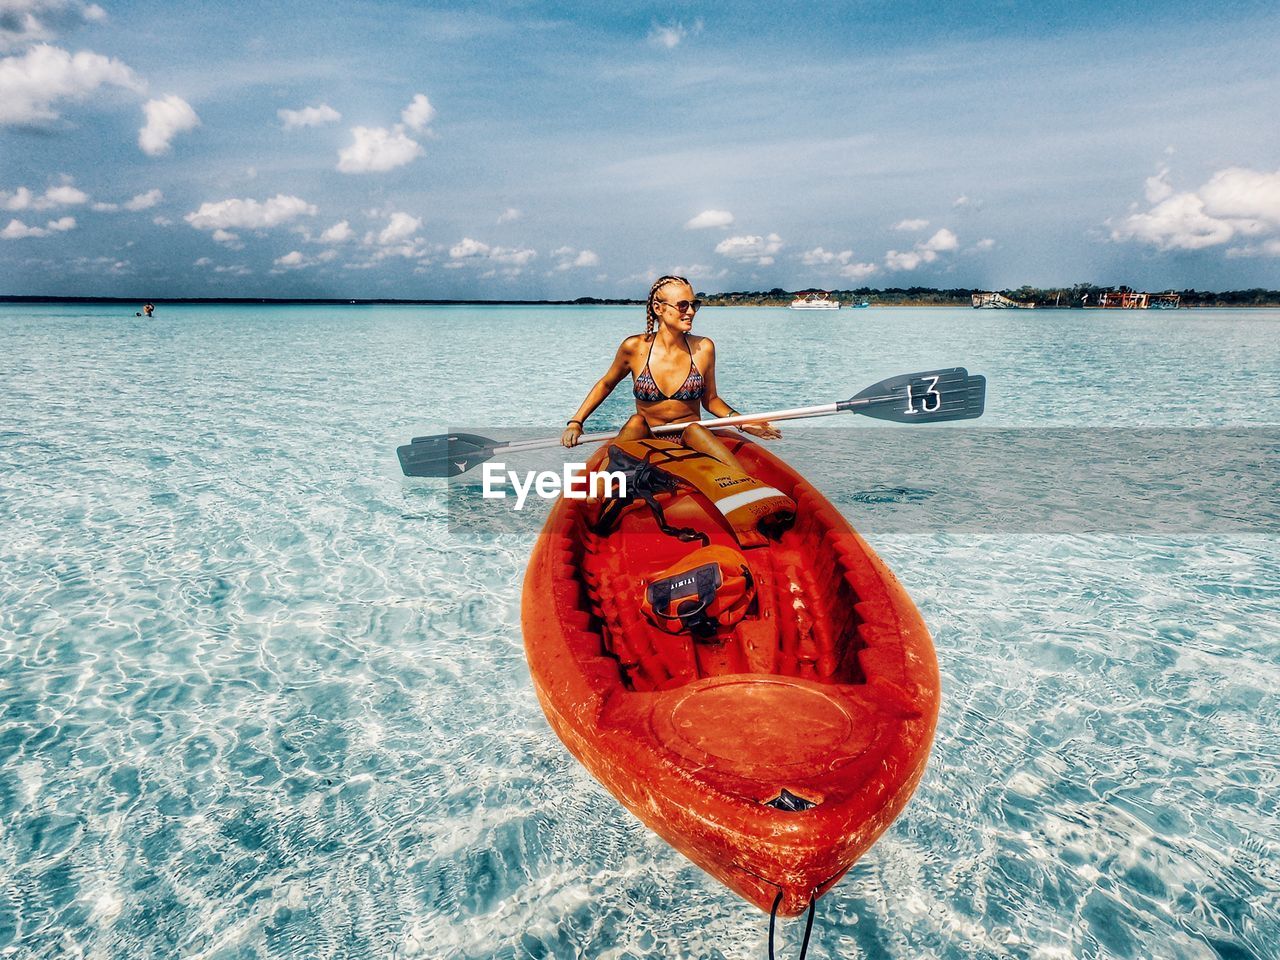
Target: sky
<point x="534" y="150"/>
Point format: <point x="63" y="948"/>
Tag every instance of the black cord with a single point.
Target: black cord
<point x="808" y="927"/>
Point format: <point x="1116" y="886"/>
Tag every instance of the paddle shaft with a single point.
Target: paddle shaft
<point x="794" y="413"/>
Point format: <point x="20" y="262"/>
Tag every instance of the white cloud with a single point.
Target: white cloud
<point x="570" y="258"/>
<point x="751" y="249"/>
<point x="671" y="35"/>
<point x="249" y="214"/>
<point x="419" y="113"/>
<point x="308" y="116"/>
<point x="986" y="243"/>
<point x="166" y="118"/>
<point x="292" y="260"/>
<point x="64" y="195"/>
<point x="340" y="232"/>
<point x="1270" y="248"/>
<point x="17" y="230"/>
<point x="943" y="241"/>
<point x="820" y="257"/>
<point x="858" y="271"/>
<point x="966" y="201"/>
<point x="1235" y="202"/>
<point x="228" y="238"/>
<point x="377" y="149"/>
<point x="509" y="214"/>
<point x="204" y="262"/>
<point x="400" y="228"/>
<point x="1241" y="194"/>
<point x="473" y="252"/>
<point x="28" y="21"/>
<point x="1158" y="187"/>
<point x="710" y="218"/>
<point x="32" y="83"/>
<point x="911" y="225"/>
<point x="141" y="201"/>
<point x="144" y="201"/>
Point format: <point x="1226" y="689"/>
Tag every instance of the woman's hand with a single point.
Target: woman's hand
<point x="572" y="435"/>
<point x="765" y="431"/>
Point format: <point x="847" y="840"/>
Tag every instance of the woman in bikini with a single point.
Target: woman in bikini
<point x="667" y="354"/>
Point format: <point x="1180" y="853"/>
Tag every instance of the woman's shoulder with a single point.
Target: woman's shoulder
<point x="699" y="344"/>
<point x="632" y="343"/>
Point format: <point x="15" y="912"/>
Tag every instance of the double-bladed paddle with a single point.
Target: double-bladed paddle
<point x="929" y="397"/>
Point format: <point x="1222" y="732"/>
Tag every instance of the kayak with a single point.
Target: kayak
<point x="772" y="743"/>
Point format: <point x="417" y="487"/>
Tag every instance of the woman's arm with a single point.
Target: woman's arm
<point x="618" y="369"/>
<point x="716" y="405"/>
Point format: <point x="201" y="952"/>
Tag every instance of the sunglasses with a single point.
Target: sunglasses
<point x="683" y="305"/>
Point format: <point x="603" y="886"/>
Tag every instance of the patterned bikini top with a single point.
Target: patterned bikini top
<point x="647" y="389"/>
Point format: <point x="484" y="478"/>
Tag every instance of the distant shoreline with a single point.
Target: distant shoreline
<point x="895" y="298"/>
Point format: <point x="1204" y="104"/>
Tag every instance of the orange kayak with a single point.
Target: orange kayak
<point x="772" y="755"/>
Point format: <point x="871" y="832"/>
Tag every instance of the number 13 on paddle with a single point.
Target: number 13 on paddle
<point x="951" y="394"/>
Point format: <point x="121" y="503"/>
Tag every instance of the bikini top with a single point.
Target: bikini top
<point x="647" y="389"/>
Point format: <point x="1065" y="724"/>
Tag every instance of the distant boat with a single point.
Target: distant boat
<point x="1133" y="300"/>
<point x="817" y="300"/>
<point x="998" y="301"/>
<point x="858" y="306"/>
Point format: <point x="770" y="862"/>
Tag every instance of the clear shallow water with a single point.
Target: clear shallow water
<point x="257" y="700"/>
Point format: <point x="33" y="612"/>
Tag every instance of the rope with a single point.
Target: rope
<point x="808" y="926"/>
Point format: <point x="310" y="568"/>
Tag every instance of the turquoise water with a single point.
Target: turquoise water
<point x="258" y="700"/>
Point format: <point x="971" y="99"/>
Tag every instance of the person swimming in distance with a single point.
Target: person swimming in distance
<point x="667" y="354"/>
<point x="148" y="309"/>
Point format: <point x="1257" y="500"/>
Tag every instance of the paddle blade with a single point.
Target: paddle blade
<point x="444" y="455"/>
<point x="928" y="397"/>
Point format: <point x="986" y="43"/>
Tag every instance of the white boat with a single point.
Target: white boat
<point x="818" y="300"/>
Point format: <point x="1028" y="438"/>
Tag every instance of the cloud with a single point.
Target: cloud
<point x="1234" y="202"/>
<point x="144" y="201"/>
<point x="297" y="260"/>
<point x="668" y="36"/>
<point x="419" y="113"/>
<point x="249" y="214"/>
<point x="509" y="214"/>
<point x="166" y="118"/>
<point x="1158" y="187"/>
<point x="570" y="258"/>
<point x="399" y="228"/>
<point x="858" y="271"/>
<point x="986" y="243"/>
<point x="911" y="225"/>
<point x="32" y="83"/>
<point x="710" y="218"/>
<point x="228" y="238"/>
<point x="377" y="150"/>
<point x="963" y="201"/>
<point x="751" y="249"/>
<point x="141" y="201"/>
<point x="60" y="196"/>
<point x="473" y="252"/>
<point x="340" y="232"/>
<point x="308" y="117"/>
<point x="820" y="257"/>
<point x="17" y="230"/>
<point x="27" y="21"/>
<point x="943" y="241"/>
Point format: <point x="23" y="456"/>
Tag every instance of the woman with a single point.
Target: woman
<point x="674" y="376"/>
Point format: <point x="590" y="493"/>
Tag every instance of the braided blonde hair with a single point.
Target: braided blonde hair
<point x="651" y="315"/>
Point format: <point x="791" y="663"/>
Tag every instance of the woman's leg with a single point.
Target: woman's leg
<point x="636" y="428"/>
<point x="697" y="437"/>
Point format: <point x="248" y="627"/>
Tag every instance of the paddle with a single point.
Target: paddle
<point x="928" y="397"/>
